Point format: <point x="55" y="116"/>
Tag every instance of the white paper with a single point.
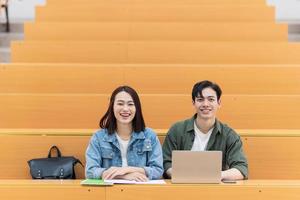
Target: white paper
<point x="121" y="181"/>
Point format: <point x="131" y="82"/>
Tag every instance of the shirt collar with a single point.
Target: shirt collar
<point x="190" y="125"/>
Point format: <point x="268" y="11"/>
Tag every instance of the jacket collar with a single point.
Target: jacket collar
<point x="112" y="137"/>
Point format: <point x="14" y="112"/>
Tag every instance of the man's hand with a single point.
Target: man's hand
<point x="232" y="174"/>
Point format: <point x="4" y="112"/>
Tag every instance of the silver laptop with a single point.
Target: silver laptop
<point x="196" y="166"/>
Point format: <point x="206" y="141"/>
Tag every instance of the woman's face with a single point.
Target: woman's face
<point x="124" y="108"/>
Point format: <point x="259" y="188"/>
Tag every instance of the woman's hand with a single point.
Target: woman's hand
<point x="114" y="172"/>
<point x="135" y="176"/>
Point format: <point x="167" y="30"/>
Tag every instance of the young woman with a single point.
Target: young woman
<point x="124" y="148"/>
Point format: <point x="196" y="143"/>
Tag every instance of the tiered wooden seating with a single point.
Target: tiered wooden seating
<point x="176" y="28"/>
<point x="170" y="35"/>
<point x="272" y="154"/>
<point x="75" y="96"/>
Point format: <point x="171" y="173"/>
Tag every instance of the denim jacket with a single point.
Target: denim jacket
<point x="144" y="150"/>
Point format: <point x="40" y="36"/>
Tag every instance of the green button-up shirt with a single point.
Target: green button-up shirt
<point x="181" y="137"/>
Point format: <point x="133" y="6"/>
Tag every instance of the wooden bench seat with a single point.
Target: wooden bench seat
<point x="156" y="13"/>
<point x="156" y="52"/>
<point x="272" y="154"/>
<point x="73" y="78"/>
<point x="152" y="31"/>
<point x="50" y="110"/>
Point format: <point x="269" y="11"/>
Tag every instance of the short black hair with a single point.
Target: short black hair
<point x="200" y="86"/>
<point x="109" y="122"/>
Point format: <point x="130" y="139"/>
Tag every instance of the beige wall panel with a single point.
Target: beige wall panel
<point x="160" y="111"/>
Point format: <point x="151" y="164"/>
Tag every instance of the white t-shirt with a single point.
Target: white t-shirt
<point x="123" y="148"/>
<point x="201" y="139"/>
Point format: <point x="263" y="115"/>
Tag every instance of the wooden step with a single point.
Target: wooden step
<point x="151" y="31"/>
<point x="262" y="151"/>
<point x="160" y="111"/>
<point x="156" y="52"/>
<point x="148" y="79"/>
<point x="157" y="13"/>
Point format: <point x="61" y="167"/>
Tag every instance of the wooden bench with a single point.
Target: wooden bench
<point x="40" y="78"/>
<point x="156" y="52"/>
<point x="272" y="154"/>
<point x="50" y="110"/>
<point x="152" y="31"/>
<point x="156" y="13"/>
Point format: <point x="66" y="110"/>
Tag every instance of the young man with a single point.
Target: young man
<point x="203" y="132"/>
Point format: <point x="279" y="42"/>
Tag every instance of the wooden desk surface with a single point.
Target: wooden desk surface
<point x="71" y="189"/>
<point x="246" y="190"/>
<point x="48" y="190"/>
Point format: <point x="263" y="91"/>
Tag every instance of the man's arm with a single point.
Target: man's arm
<point x="232" y="174"/>
<point x="236" y="160"/>
<point x="169" y="145"/>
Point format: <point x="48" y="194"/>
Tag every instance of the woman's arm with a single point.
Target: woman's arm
<point x="93" y="168"/>
<point x="154" y="167"/>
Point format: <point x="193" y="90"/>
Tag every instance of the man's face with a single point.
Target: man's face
<point x="207" y="105"/>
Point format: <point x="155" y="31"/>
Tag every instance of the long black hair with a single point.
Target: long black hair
<point x="108" y="121"/>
